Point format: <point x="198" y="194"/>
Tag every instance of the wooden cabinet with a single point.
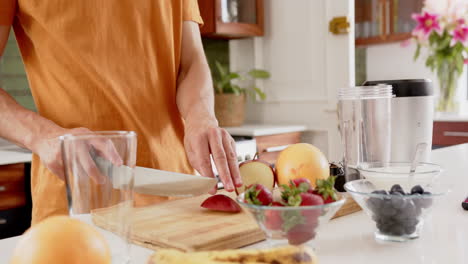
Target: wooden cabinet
<point x="231" y="19"/>
<point x="449" y="133"/>
<point x="15" y="199"/>
<point x="270" y="146"/>
<point x="384" y="21"/>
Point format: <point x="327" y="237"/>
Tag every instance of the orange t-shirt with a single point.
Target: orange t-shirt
<point x="104" y="65"/>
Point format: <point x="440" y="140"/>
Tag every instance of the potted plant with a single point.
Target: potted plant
<point x="230" y="94"/>
<point x="442" y="28"/>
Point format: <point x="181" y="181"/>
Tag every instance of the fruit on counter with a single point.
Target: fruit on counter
<point x="221" y="202"/>
<point x="258" y="194"/>
<point x="398" y="213"/>
<point x="256" y="171"/>
<point x="61" y="239"/>
<point x="325" y="188"/>
<point x="301" y="160"/>
<point x="280" y="255"/>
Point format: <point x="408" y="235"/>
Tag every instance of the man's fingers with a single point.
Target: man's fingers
<point x="89" y="165"/>
<point x="220" y="159"/>
<point x="107" y="150"/>
<point x="201" y="161"/>
<point x="230" y="150"/>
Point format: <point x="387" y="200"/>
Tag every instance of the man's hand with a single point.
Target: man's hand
<point x="48" y="148"/>
<point x="203" y="138"/>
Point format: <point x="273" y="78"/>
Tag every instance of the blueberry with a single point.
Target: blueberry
<point x="410" y="229"/>
<point x="379" y="192"/>
<point x="411" y="210"/>
<point x="398" y="201"/>
<point x="417" y="189"/>
<point x="409" y="222"/>
<point x="397" y="188"/>
<point x="388" y="211"/>
<point x="397" y="230"/>
<point x="374" y="203"/>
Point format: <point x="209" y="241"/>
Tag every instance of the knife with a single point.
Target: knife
<point x="153" y="181"/>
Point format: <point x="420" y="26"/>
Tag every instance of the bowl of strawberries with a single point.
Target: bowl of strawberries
<point x="292" y="213"/>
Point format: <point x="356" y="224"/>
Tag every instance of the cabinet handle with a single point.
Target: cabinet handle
<point x="3" y="221"/>
<point x="2" y="188"/>
<point x="274" y="149"/>
<point x="455" y="134"/>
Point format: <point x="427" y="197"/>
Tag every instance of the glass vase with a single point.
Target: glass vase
<point x="448" y="83"/>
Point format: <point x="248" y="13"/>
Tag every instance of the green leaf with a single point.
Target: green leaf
<point x="259" y="74"/>
<point x="417" y="52"/>
<point x="221" y="70"/>
<point x="236" y="89"/>
<point x="260" y="93"/>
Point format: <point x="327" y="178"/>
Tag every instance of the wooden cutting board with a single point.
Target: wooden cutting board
<point x="182" y="224"/>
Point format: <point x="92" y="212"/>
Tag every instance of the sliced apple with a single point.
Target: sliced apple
<point x="221" y="202"/>
<point x="256" y="172"/>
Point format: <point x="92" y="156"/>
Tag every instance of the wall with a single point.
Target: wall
<point x="392" y="61"/>
<point x="13" y="77"/>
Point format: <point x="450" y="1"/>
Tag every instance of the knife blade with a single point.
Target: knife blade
<point x="154" y="182"/>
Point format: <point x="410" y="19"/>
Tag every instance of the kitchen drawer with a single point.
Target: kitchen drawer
<point x="9" y="200"/>
<point x="14" y="222"/>
<point x="450" y="133"/>
<point x="11" y="173"/>
<point x="270" y="146"/>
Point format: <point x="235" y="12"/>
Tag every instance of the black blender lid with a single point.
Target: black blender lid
<point x="407" y="88"/>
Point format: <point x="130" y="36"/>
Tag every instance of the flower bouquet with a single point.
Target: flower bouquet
<point x="442" y="28"/>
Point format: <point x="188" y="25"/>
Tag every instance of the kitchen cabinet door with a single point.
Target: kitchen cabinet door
<point x="308" y="64"/>
<point x="231" y="19"/>
<point x="384" y="21"/>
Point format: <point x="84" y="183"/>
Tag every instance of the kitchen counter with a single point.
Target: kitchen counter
<point x="350" y="240"/>
<point x="14" y="156"/>
<point x="438" y="117"/>
<point x="262" y="130"/>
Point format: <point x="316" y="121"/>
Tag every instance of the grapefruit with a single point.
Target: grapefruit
<point x="61" y="239"/>
<point x="301" y="160"/>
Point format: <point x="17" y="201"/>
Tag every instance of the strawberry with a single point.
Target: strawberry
<point x="273" y="220"/>
<point x="276" y="204"/>
<point x="300" y="234"/>
<point x="326" y="189"/>
<point x="308" y="199"/>
<point x="259" y="195"/>
<point x="305" y="182"/>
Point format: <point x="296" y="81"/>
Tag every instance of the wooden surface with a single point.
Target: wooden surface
<point x="184" y="225"/>
<point x="443" y="140"/>
<point x="349" y="207"/>
<point x="12" y="188"/>
<point x="264" y="142"/>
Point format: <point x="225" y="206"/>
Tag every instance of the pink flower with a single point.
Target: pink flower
<point x="460" y="34"/>
<point x="426" y="23"/>
<point x="465" y="61"/>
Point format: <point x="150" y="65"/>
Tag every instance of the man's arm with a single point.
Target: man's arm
<point x="18" y="124"/>
<point x="195" y="101"/>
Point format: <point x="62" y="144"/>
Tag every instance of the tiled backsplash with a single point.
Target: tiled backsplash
<point x="13" y="77"/>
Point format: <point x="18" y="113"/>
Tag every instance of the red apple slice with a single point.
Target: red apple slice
<point x="221" y="202"/>
<point x="256" y="172"/>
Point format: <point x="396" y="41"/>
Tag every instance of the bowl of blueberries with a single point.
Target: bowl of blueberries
<point x="397" y="201"/>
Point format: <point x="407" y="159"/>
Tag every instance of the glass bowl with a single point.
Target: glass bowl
<point x="291" y="225"/>
<point x="384" y="176"/>
<point x="397" y="217"/>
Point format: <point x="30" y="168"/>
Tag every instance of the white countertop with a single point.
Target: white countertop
<point x="349" y="239"/>
<point x="438" y="117"/>
<point x="12" y="157"/>
<point x="253" y="130"/>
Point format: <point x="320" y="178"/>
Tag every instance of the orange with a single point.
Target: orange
<point x="61" y="239"/>
<point x="301" y="160"/>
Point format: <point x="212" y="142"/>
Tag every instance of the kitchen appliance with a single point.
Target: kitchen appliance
<point x="412" y="117"/>
<point x="365" y="125"/>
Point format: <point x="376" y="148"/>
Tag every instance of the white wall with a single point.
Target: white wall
<point x="392" y="61"/>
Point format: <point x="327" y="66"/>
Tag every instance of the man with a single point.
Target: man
<point x="113" y="65"/>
